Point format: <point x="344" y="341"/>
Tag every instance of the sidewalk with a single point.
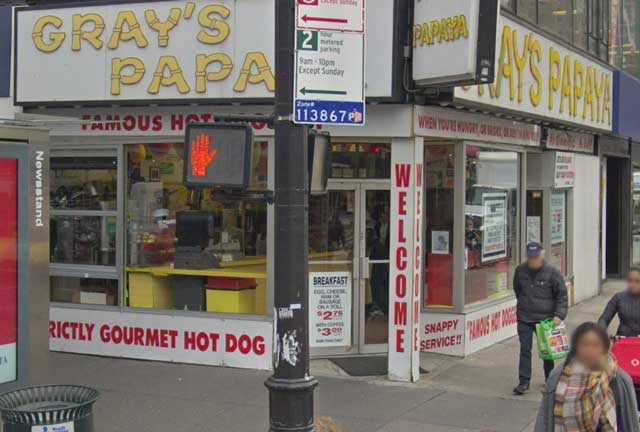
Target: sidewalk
<point x="473" y="394"/>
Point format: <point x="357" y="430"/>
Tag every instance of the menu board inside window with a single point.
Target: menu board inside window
<point x="8" y="269"/>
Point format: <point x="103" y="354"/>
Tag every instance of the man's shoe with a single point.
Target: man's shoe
<point x="521" y="389"/>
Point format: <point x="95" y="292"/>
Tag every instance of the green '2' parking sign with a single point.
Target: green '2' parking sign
<point x="307" y="40"/>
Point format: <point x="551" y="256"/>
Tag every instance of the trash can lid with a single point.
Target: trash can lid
<point x="62" y="400"/>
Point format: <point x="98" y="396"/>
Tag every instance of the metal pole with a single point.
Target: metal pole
<point x="291" y="387"/>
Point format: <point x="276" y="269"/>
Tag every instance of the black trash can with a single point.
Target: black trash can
<point x="53" y="408"/>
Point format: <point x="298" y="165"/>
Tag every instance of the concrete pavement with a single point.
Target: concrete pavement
<point x="473" y="394"/>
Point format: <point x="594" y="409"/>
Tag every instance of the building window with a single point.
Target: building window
<point x="636" y="216"/>
<point x="200" y="250"/>
<point x="556" y="16"/>
<point x="83" y="249"/>
<point x="624" y="36"/>
<point x="360" y="161"/>
<point x="491" y="223"/>
<point x="439" y="211"/>
<point x="508" y="4"/>
<point x="584" y="23"/>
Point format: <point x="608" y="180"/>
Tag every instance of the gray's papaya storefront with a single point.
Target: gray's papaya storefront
<point x="412" y="248"/>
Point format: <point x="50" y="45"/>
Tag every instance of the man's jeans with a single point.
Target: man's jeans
<point x="526" y="332"/>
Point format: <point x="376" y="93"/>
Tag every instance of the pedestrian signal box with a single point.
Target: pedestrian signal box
<point x="217" y="155"/>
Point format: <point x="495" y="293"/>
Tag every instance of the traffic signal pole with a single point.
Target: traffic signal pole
<point x="291" y="387"/>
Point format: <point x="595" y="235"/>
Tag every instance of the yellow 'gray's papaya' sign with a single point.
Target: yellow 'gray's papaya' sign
<point x="154" y="50"/>
<point x="535" y="75"/>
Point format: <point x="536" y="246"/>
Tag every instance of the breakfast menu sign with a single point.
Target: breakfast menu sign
<point x="8" y="269"/>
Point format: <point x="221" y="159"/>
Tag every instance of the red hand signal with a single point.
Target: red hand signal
<point x="200" y="156"/>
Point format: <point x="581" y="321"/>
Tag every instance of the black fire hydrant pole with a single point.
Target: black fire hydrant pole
<point x="291" y="387"/>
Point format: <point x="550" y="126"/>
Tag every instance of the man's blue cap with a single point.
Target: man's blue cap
<point x="534" y="250"/>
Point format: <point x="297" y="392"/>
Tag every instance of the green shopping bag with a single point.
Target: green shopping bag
<point x="553" y="343"/>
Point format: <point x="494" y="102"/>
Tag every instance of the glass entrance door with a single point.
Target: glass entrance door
<point x="333" y="275"/>
<point x="349" y="232"/>
<point x="374" y="267"/>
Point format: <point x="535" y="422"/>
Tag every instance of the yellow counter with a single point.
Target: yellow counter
<point x="149" y="287"/>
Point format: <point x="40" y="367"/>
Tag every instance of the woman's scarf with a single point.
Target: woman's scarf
<point x="585" y="400"/>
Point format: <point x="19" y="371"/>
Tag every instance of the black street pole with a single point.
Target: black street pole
<point x="291" y="387"/>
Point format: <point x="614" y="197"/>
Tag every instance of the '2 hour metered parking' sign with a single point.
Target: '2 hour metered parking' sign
<point x="329" y="73"/>
<point x="217" y="155"/>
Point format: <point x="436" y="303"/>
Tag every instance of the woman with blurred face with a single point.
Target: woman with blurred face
<point x="589" y="393"/>
<point x="627" y="306"/>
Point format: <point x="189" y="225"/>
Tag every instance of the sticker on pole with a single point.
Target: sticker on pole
<point x="343" y="15"/>
<point x="62" y="427"/>
<point x="329" y="78"/>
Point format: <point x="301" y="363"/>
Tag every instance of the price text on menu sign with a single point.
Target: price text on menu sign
<point x="329" y="75"/>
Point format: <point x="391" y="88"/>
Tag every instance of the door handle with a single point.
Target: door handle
<point x="364" y="268"/>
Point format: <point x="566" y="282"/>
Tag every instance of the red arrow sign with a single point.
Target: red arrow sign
<point x="307" y="18"/>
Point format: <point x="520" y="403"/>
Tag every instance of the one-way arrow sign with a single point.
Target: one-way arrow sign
<point x="307" y="18"/>
<point x="346" y="15"/>
<point x="306" y="91"/>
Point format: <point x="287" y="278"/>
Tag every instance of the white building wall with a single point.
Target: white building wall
<point x="586" y="226"/>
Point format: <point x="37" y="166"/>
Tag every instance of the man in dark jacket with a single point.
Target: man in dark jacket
<point x="542" y="294"/>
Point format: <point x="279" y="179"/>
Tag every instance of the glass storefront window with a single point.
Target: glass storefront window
<point x="84" y="290"/>
<point x="558" y="254"/>
<point x="439" y="194"/>
<point x="491" y="222"/>
<point x="83" y="183"/>
<point x="84" y="225"/>
<point x="84" y="240"/>
<point x="360" y="161"/>
<point x="193" y="249"/>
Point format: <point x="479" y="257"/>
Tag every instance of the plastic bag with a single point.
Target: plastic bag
<point x="553" y="343"/>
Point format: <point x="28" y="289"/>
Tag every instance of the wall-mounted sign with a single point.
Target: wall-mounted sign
<point x="449" y="123"/>
<point x="569" y="141"/>
<point x="494" y="226"/>
<point x="565" y="170"/>
<point x="405" y="270"/>
<point x="166" y="51"/>
<point x="168" y="338"/>
<point x="454" y="41"/>
<point x="8" y="270"/>
<point x="217" y="155"/>
<point x="329" y="70"/>
<point x="330" y="296"/>
<point x="459" y="335"/>
<point x="537" y="76"/>
<point x="330" y="15"/>
<point x="558" y="217"/>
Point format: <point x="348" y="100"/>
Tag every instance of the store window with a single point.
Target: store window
<point x="360" y="161"/>
<point x="202" y="250"/>
<point x="636" y="216"/>
<point x="439" y="211"/>
<point x="83" y="200"/>
<point x="491" y="222"/>
<point x="584" y="23"/>
<point x="557" y="256"/>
